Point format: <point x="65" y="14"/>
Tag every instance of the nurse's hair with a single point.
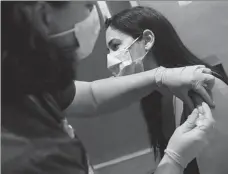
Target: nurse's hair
<point x="29" y="63"/>
<point x="168" y="50"/>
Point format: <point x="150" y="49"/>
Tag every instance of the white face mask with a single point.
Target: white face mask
<point x="86" y="32"/>
<point x="121" y="63"/>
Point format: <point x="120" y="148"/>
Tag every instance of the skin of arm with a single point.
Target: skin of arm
<point x="213" y="159"/>
<point x="111" y="94"/>
<point x="168" y="166"/>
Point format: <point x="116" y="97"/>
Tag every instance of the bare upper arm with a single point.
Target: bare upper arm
<point x="213" y="158"/>
<point x="220" y="95"/>
<point x="220" y="112"/>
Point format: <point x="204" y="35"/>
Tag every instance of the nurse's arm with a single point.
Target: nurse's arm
<point x="168" y="166"/>
<point x="111" y="94"/>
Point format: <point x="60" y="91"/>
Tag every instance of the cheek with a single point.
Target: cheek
<point x="137" y="51"/>
<point x="66" y="43"/>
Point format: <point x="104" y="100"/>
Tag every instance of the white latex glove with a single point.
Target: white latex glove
<point x="192" y="136"/>
<point x="181" y="80"/>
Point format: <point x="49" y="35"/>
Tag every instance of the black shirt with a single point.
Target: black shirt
<point x="33" y="140"/>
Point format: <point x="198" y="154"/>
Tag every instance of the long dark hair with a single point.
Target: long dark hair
<point x="30" y="64"/>
<point x="168" y="50"/>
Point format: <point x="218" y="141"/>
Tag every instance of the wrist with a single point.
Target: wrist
<point x="167" y="160"/>
<point x="176" y="157"/>
<point x="159" y="74"/>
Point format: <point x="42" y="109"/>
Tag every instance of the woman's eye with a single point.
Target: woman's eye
<point x="115" y="47"/>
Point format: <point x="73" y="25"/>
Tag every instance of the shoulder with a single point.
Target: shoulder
<point x="220" y="96"/>
<point x="40" y="155"/>
<point x="219" y="93"/>
<point x="220" y="87"/>
<point x="65" y="97"/>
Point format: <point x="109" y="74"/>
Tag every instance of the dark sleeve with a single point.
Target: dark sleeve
<point x="65" y="97"/>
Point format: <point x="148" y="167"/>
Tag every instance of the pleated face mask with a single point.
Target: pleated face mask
<point x="86" y="32"/>
<point x="121" y="63"/>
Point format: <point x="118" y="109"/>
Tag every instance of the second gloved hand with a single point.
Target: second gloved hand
<point x="181" y="80"/>
<point x="191" y="137"/>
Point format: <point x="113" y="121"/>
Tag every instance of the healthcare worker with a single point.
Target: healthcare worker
<point x="41" y="45"/>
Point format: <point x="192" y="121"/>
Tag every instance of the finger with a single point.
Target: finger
<point x="203" y="70"/>
<point x="200" y="109"/>
<point x="207" y="70"/>
<point x="199" y="66"/>
<point x="190" y="123"/>
<point x="205" y="122"/>
<point x="189" y="102"/>
<point x="209" y="81"/>
<point x="205" y="125"/>
<point x="207" y="111"/>
<point x="197" y="100"/>
<point x="204" y="94"/>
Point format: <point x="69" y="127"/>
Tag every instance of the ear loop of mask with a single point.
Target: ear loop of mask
<point x="137" y="59"/>
<point x="62" y="33"/>
<point x="127" y="48"/>
<point x="137" y="63"/>
<point x="68" y="31"/>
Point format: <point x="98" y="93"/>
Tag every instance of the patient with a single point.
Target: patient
<point x="140" y="39"/>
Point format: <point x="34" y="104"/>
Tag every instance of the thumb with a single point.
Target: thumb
<point x="190" y="123"/>
<point x="209" y="81"/>
<point x="207" y="112"/>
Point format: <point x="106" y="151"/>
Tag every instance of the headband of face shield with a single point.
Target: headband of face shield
<point x="86" y="32"/>
<point x="121" y="62"/>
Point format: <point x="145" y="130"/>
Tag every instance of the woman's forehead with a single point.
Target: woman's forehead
<point x="112" y="33"/>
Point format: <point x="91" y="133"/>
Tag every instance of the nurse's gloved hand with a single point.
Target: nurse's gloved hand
<point x="192" y="136"/>
<point x="181" y="80"/>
